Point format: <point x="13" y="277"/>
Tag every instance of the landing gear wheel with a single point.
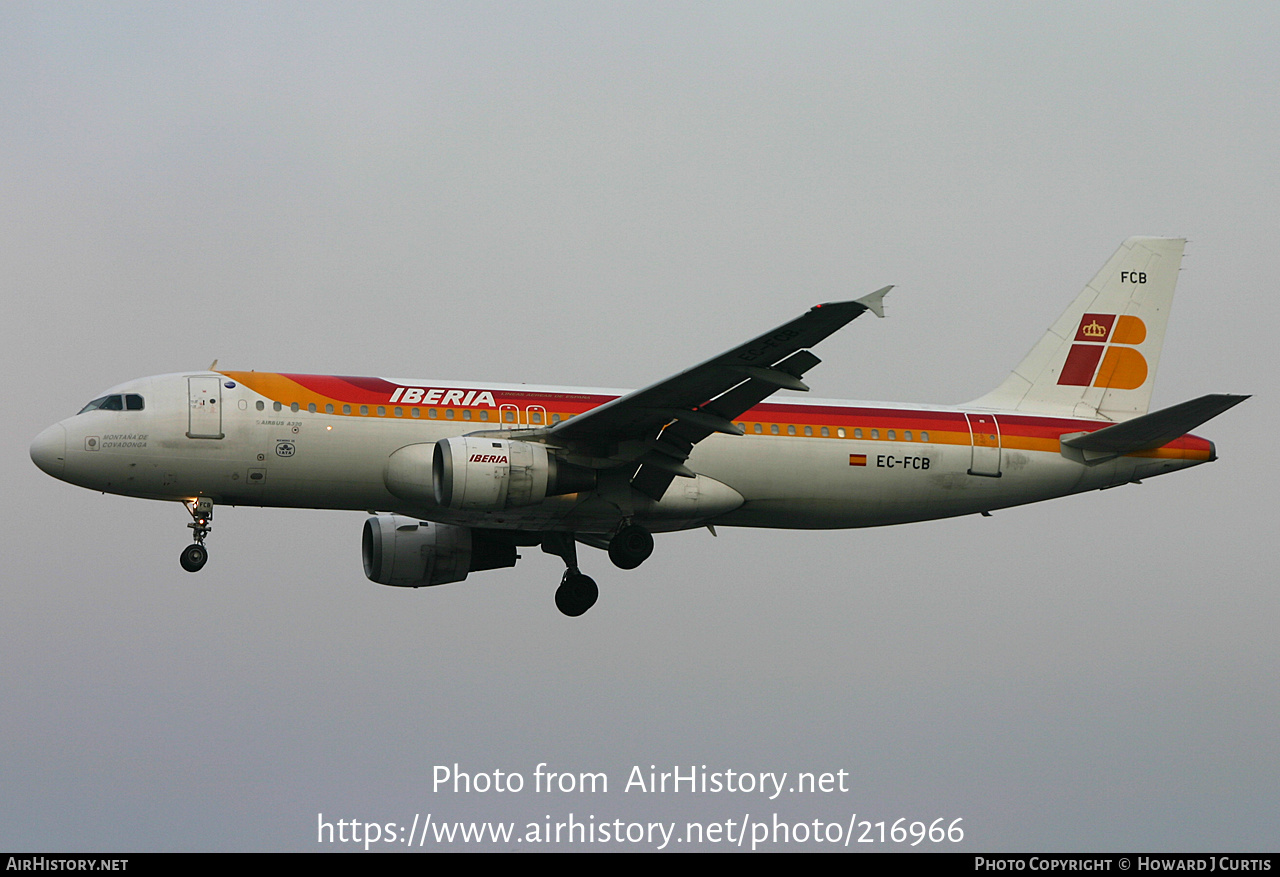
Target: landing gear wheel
<point x="193" y="557"/>
<point x="577" y="593"/>
<point x="630" y="547"/>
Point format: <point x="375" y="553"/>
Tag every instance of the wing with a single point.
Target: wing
<point x="659" y="425"/>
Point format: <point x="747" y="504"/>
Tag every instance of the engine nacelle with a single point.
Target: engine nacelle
<point x="471" y="473"/>
<point x="412" y="554"/>
<point x="475" y="473"/>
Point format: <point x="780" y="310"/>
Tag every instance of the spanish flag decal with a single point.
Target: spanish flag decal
<point x="857" y="459"/>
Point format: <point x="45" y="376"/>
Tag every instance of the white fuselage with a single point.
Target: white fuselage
<point x="865" y="464"/>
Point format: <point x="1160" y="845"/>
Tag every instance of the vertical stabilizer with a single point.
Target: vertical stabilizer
<point x="1099" y="359"/>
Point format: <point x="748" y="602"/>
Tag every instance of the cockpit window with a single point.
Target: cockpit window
<point x="94" y="405"/>
<point x="129" y="402"/>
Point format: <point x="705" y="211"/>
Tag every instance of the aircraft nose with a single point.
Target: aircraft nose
<point x="49" y="450"/>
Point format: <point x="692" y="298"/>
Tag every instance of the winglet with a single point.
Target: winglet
<point x="875" y="301"/>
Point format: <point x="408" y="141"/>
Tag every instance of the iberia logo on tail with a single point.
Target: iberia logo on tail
<point x="1122" y="368"/>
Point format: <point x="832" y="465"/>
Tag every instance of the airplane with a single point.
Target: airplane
<point x="458" y="476"/>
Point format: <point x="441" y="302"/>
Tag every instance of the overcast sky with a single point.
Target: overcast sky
<point x="601" y="194"/>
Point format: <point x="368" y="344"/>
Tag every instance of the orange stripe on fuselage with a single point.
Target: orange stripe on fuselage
<point x="281" y="388"/>
<point x="1017" y="431"/>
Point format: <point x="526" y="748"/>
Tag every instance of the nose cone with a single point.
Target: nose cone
<point x="49" y="450"/>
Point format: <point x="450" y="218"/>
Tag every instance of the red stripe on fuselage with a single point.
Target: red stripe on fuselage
<point x="378" y="391"/>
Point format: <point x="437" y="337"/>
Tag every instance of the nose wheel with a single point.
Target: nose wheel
<point x="195" y="555"/>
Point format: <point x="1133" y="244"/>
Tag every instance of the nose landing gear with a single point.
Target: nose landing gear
<point x="195" y="555"/>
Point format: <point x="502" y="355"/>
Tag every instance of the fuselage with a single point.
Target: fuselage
<point x="311" y="441"/>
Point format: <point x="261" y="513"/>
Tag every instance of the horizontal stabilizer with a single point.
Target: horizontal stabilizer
<point x="1152" y="430"/>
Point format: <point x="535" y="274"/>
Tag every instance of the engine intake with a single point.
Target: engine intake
<point x="409" y="553"/>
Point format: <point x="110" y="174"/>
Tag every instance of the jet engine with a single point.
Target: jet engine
<point x="474" y="473"/>
<point x="409" y="553"/>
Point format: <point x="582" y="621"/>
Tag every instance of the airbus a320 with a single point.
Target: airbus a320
<point x="461" y="475"/>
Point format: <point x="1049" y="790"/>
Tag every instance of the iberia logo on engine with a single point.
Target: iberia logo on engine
<point x="487" y="458"/>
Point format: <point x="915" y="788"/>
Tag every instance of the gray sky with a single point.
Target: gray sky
<point x="603" y="194"/>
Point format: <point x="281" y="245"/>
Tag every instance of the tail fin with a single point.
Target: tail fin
<point x="1099" y="359"/>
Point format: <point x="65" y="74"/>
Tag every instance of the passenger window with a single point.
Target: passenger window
<point x="759" y="429"/>
<point x="431" y="412"/>
<point x="448" y="414"/>
<point x="907" y="435"/>
<point x="509" y="416"/>
<point x="275" y="406"/>
<point x="328" y="408"/>
<point x="346" y="409"/>
<point x="466" y="413"/>
<point x="293" y="406"/>
<point x="261" y="405"/>
<point x="857" y="433"/>
<point x="364" y="410"/>
<point x="826" y="432"/>
<point x="399" y="412"/>
<point x="382" y="411"/>
<point x="840" y="432"/>
<point x="924" y="436"/>
<point x="415" y="412"/>
<point x="893" y="436"/>
<point x="791" y="429"/>
<point x="311" y="406"/>
<point x="535" y="416"/>
<point x="808" y="430"/>
<point x="555" y="418"/>
<point x="773" y="428"/>
<point x="484" y="415"/>
<point x="875" y="433"/>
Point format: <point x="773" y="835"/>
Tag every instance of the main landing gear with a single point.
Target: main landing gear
<point x="195" y="555"/>
<point x="577" y="593"/>
<point x="629" y="547"/>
